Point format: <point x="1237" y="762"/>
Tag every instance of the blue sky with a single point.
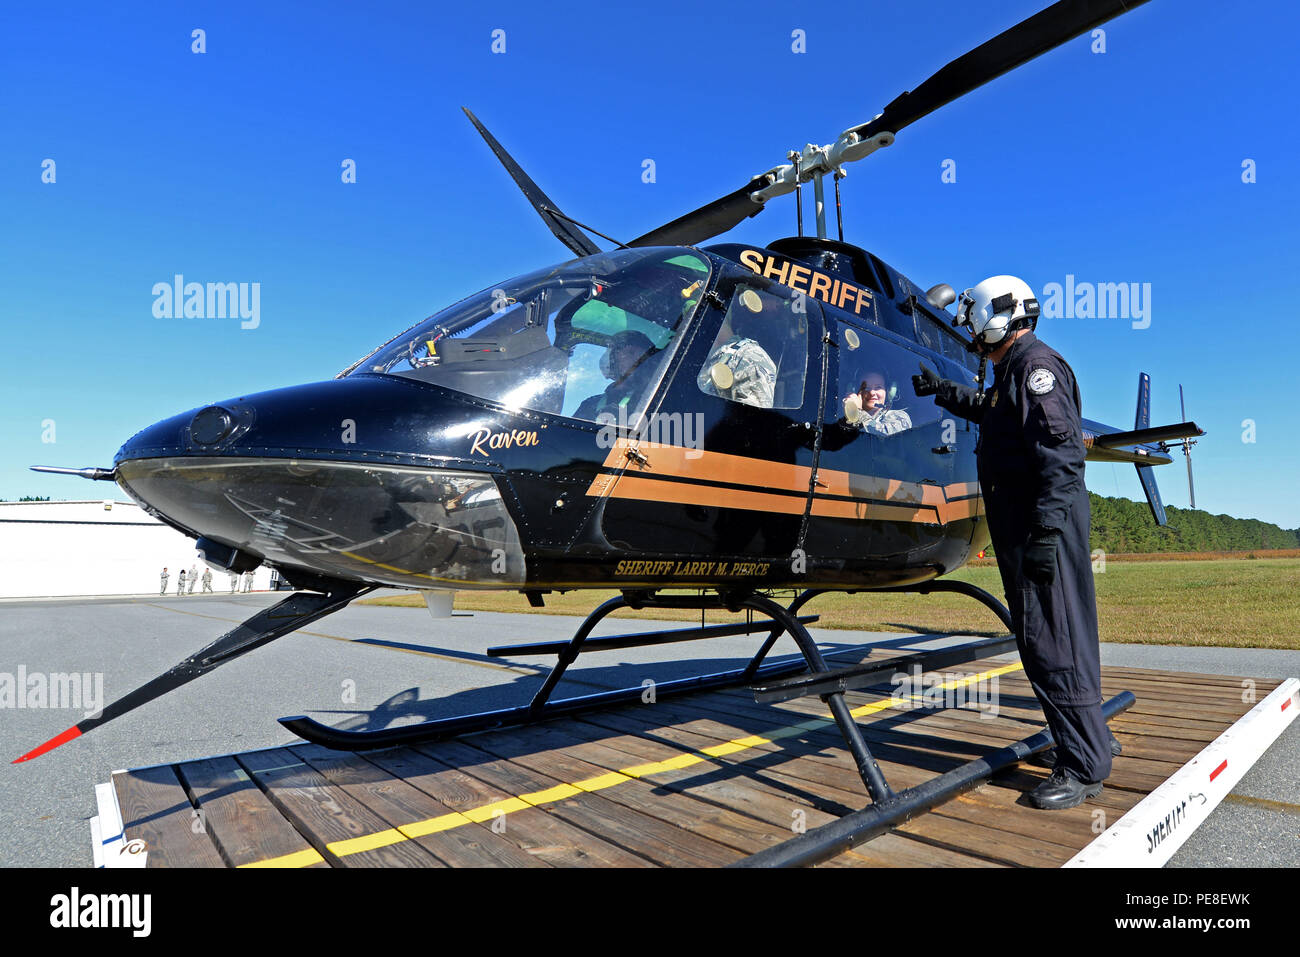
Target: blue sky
<point x="225" y="166"/>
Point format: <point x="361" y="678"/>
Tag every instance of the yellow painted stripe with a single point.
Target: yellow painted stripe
<point x="296" y="859"/>
<point x="919" y="699"/>
<point x="557" y="793"/>
<point x="658" y="767"/>
<point x="731" y="747"/>
<point x="488" y="811"/>
<point x="602" y="781"/>
<point x="366" y="842"/>
<point x="432" y="825"/>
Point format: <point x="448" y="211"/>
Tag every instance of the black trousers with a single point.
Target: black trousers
<point x="1056" y="628"/>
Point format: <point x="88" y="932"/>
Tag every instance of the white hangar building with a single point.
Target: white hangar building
<point x="59" y="549"/>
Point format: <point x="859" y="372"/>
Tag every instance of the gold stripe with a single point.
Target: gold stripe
<point x="444" y="822"/>
<point x="296" y="859"/>
<point x="902" y="501"/>
<point x="367" y="842"/>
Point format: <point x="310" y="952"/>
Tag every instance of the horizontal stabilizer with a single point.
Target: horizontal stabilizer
<point x="1149" y="436"/>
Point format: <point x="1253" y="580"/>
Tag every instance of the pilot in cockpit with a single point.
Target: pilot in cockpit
<point x="629" y="363"/>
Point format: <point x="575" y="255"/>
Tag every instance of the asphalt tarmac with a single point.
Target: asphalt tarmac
<point x="369" y="665"/>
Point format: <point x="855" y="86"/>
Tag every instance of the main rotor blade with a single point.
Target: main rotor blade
<point x="710" y="220"/>
<point x="267" y="625"/>
<point x="1030" y="38"/>
<point x="564" y="231"/>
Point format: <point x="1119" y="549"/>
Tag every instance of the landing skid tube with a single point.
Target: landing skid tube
<point x="541" y="707"/>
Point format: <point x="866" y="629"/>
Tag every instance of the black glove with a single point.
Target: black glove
<point x="1039" y="564"/>
<point x="927" y="383"/>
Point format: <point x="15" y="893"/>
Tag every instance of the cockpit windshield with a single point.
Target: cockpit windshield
<point x="586" y="339"/>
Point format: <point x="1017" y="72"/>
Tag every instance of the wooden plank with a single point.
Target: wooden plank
<point x="242" y="822"/>
<point x="651" y="838"/>
<point x="823" y="747"/>
<point x="727" y="786"/>
<point x="1193" y="676"/>
<point x="325" y="814"/>
<point x="733" y="787"/>
<point x="156" y="810"/>
<point x="1009" y="848"/>
<point x="886" y="850"/>
<point x="1142" y="774"/>
<point x="1128" y="773"/>
<point x="400" y="804"/>
<point x="560" y="760"/>
<point x="537" y="833"/>
<point x="900" y="850"/>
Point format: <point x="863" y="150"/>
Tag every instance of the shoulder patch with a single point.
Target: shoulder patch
<point x="1041" y="381"/>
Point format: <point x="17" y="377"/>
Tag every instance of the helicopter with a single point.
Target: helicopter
<point x="661" y="416"/>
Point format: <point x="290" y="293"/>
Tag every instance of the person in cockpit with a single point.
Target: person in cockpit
<point x="739" y="368"/>
<point x="868" y="409"/>
<point x="629" y="363"/>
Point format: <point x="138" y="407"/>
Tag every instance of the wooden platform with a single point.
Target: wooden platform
<point x="698" y="781"/>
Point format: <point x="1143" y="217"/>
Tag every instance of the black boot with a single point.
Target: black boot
<point x="1047" y="759"/>
<point x="1061" y="790"/>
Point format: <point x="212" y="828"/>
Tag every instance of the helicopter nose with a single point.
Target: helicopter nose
<point x="282" y="476"/>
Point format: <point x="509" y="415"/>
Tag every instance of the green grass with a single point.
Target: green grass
<point x="1228" y="602"/>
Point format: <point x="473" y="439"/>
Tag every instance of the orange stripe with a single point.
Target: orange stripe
<point x="903" y="501"/>
<point x="650" y="490"/>
<point x="705" y="466"/>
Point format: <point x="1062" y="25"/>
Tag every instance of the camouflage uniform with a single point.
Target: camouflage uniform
<point x="885" y="421"/>
<point x="752" y="369"/>
<point x="192" y="580"/>
<point x="180" y="583"/>
<point x="207" y="579"/>
<point x="165" y="576"/>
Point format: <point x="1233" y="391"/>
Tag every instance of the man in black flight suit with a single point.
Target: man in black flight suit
<point x="1031" y="457"/>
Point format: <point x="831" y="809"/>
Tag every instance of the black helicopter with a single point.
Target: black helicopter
<point x="729" y="418"/>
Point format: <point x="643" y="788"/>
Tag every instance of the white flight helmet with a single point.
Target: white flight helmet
<point x="996" y="307"/>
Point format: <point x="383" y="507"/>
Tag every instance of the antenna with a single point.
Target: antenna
<point x="1187" y="449"/>
<point x="793" y="156"/>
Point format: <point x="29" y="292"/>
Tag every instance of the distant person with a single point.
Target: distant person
<point x="207" y="580"/>
<point x="234" y="582"/>
<point x="180" y="583"/>
<point x="868" y="408"/>
<point x="248" y="581"/>
<point x="165" y="576"/>
<point x="192" y="580"/>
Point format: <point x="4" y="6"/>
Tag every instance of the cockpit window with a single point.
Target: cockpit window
<point x="588" y="338"/>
